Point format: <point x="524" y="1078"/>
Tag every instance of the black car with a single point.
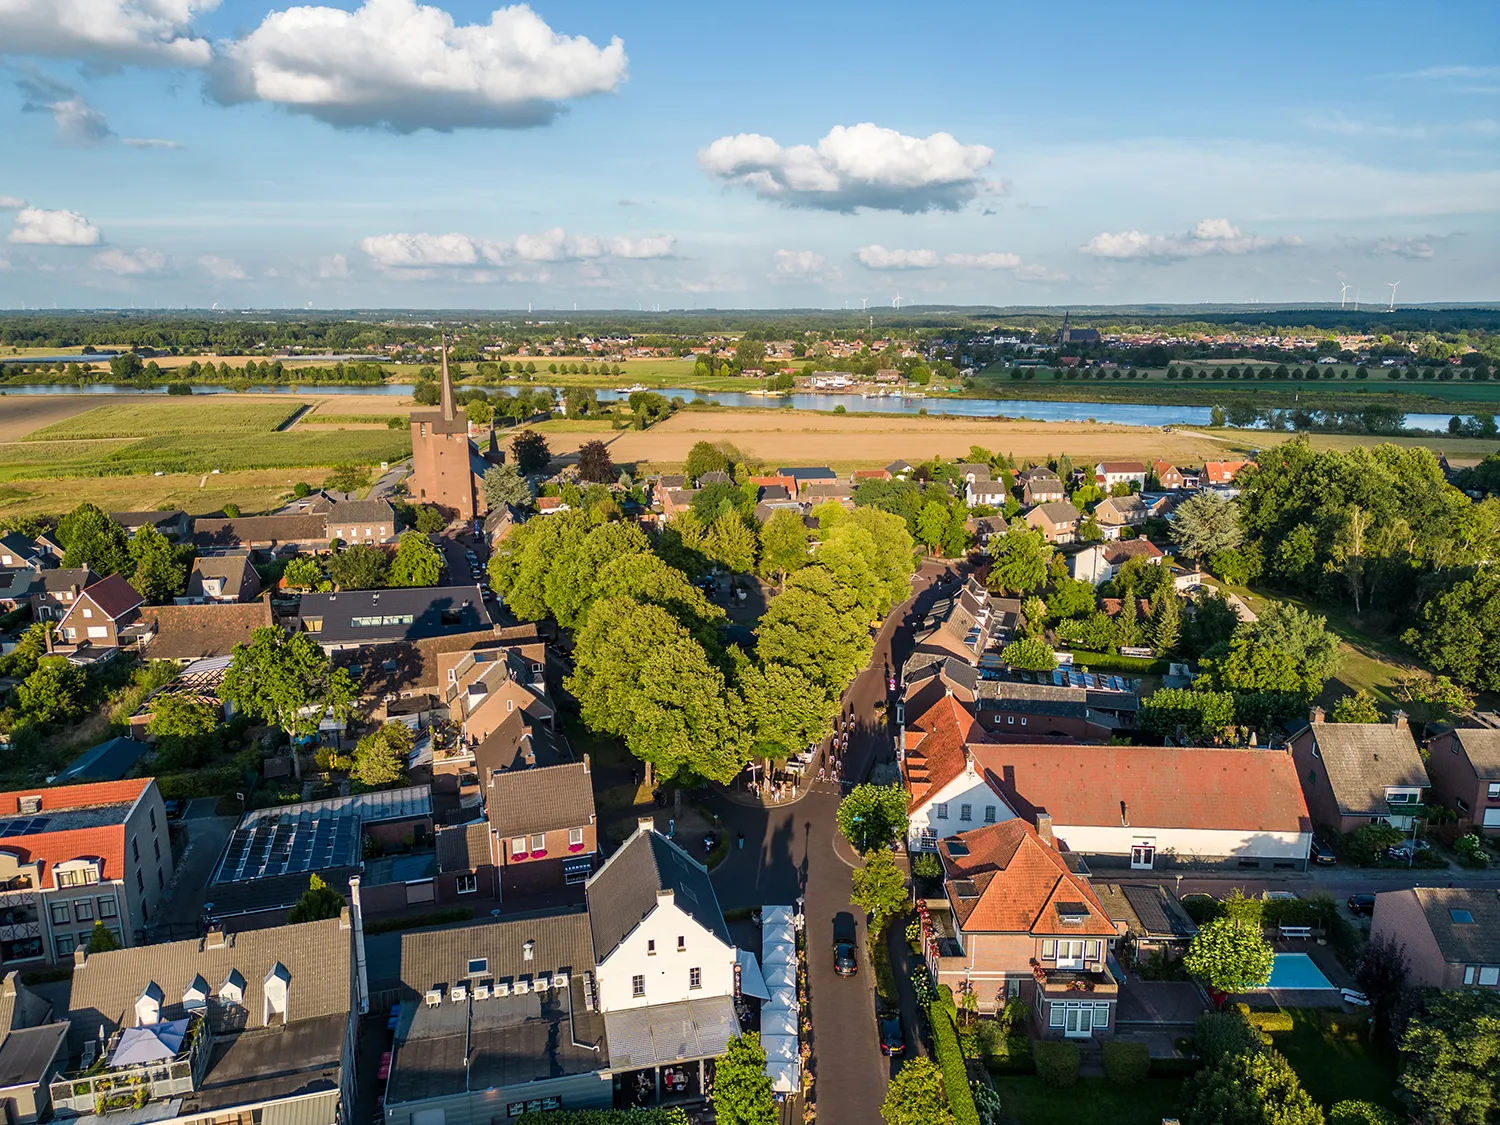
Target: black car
<point x="175" y="809"/>
<point x="843" y="959"/>
<point x="892" y="1042"/>
<point x="1361" y="904"/>
<point x="1323" y="853"/>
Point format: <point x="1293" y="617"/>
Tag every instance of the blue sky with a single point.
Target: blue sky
<point x="399" y="154"/>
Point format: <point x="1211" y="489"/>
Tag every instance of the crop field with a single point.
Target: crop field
<point x="321" y="419"/>
<point x="197" y="494"/>
<point x="164" y="416"/>
<point x="261" y="451"/>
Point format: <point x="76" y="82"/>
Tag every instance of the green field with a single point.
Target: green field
<point x="167" y="417"/>
<point x="351" y="419"/>
<point x="58" y="452"/>
<point x="201" y="453"/>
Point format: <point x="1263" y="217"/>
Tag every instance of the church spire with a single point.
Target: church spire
<point x="448" y="411"/>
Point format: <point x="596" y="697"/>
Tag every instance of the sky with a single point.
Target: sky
<point x="454" y="154"/>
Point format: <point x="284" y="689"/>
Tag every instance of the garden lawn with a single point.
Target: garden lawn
<point x="166" y="417"/>
<point x="1032" y="1102"/>
<point x="1337" y="1064"/>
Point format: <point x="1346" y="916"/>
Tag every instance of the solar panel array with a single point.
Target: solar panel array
<point x="24" y="826"/>
<point x="291" y="844"/>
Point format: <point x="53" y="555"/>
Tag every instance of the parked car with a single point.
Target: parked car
<point x="176" y="809"/>
<point x="892" y="1041"/>
<point x="1323" y="853"/>
<point x="843" y="959"/>
<point x="1361" y="904"/>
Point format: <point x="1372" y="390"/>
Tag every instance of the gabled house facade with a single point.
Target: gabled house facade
<point x="1058" y="522"/>
<point x="53" y="592"/>
<point x="1117" y="513"/>
<point x="226" y="578"/>
<point x="991" y="492"/>
<point x="1464" y="765"/>
<point x="102" y="614"/>
<point x="1107" y="474"/>
<point x="546" y="833"/>
<point x="948" y="793"/>
<point x="1451" y="935"/>
<point x="1102" y="561"/>
<point x="1355" y="774"/>
<point x="1040" y="486"/>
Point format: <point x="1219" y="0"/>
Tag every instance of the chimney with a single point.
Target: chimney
<point x="586" y="765"/>
<point x="646" y="824"/>
<point x="1399" y="720"/>
<point x="74" y="590"/>
<point x="214" y="939"/>
<point x="1315" y="714"/>
<point x="1044" y="828"/>
<point x="666" y="896"/>
<point x="362" y="972"/>
<point x="80" y="958"/>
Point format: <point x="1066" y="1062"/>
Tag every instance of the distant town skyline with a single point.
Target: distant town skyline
<point x="392" y="153"/>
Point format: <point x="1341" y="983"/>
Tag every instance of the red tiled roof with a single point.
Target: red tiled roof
<point x="1020" y="879"/>
<point x="113" y="595"/>
<point x="1159" y="786"/>
<point x="1220" y="472"/>
<point x="935" y="748"/>
<point x="83" y="796"/>
<point x="1111" y="607"/>
<point x="105" y="843"/>
<point x="1129" y="548"/>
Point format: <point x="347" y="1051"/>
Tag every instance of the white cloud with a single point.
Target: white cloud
<point x="140" y="32"/>
<point x="407" y="66"/>
<point x="54" y="228"/>
<point x="130" y="262"/>
<point x="424" y="251"/>
<point x="801" y="266"/>
<point x="77" y="121"/>
<point x="1210" y="236"/>
<point x="11" y="203"/>
<point x="149" y="142"/>
<point x="854" y="166"/>
<point x="222" y="269"/>
<point x="991" y="260"/>
<point x="1456" y="72"/>
<point x="1413" y="248"/>
<point x="335" y="267"/>
<point x="877" y="257"/>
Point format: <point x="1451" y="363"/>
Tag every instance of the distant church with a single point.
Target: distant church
<point x="447" y="468"/>
<point x="1070" y="335"/>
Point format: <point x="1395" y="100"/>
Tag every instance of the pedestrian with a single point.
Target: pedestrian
<point x="822" y="773"/>
<point x="740" y="838"/>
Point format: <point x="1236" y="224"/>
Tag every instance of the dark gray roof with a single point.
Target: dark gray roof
<point x="22" y="546"/>
<point x="517" y="744"/>
<point x="275" y="1062"/>
<point x="232" y="566"/>
<point x="1464" y="943"/>
<point x="108" y="761"/>
<point x="315" y="954"/>
<point x="433" y="612"/>
<point x="1147" y="909"/>
<point x="56" y="581"/>
<point x="20" y="1007"/>
<point x="16" y="584"/>
<point x="624" y="890"/>
<point x="978" y="471"/>
<point x="357" y="511"/>
<point x="1482" y="746"/>
<point x="1363" y="759"/>
<point x="830" y="490"/>
<point x="464" y="847"/>
<point x="540" y="800"/>
<point x="208" y="533"/>
<point x="669" y="1033"/>
<point x="25" y="1055"/>
<point x="804" y="473"/>
<point x="1058" y="512"/>
<point x="559" y="943"/>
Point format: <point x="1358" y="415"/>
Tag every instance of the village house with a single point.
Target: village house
<point x="358" y="618"/>
<point x="174" y="523"/>
<point x="809" y="474"/>
<point x="1117" y="513"/>
<point x="1355" y="774"/>
<point x="948" y="794"/>
<point x="1058" y="522"/>
<point x="973" y="472"/>
<point x="105" y="614"/>
<point x="1100" y="562"/>
<point x="53" y="592"/>
<point x="1218" y="474"/>
<point x="967" y="622"/>
<point x="371" y="522"/>
<point x="17" y="550"/>
<point x="1107" y="474"/>
<point x="990" y="492"/>
<point x="227" y="578"/>
<point x="186" y="633"/>
<point x="1450" y="935"/>
<point x="986" y="528"/>
<point x="276" y="535"/>
<point x="1024" y="924"/>
<point x="1040" y="485"/>
<point x="1172" y="478"/>
<point x="545" y="827"/>
<point x="1464" y="765"/>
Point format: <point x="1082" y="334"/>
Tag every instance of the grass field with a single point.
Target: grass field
<point x="197" y="494"/>
<point x="164" y="416"/>
<point x="317" y="418"/>
<point x="1031" y="1101"/>
<point x="264" y="451"/>
<point x="1337" y="1064"/>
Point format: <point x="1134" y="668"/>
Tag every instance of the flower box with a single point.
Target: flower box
<point x="575" y="848"/>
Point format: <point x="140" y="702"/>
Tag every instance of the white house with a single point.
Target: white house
<point x="949" y="794"/>
<point x="991" y="492"/>
<point x="659" y="936"/>
<point x="1102" y="561"/>
<point x="1107" y="474"/>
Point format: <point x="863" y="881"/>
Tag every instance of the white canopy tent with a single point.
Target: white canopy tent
<point x="777" y="1021"/>
<point x="752" y="983"/>
<point x="778" y="1016"/>
<point x="156" y="1043"/>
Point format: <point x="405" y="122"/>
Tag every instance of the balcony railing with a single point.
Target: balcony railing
<point x="102" y="1089"/>
<point x="1062" y="982"/>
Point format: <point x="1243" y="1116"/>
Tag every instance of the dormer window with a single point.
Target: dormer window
<point x="232" y="991"/>
<point x="276" y="986"/>
<point x="195" y="996"/>
<point x="76" y="873"/>
<point x="148" y="1005"/>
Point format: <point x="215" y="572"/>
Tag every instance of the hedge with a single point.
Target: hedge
<point x="201" y="783"/>
<point x="1277" y="1020"/>
<point x="1126" y="1063"/>
<point x="950" y="1058"/>
<point x="1113" y="662"/>
<point x="1010" y="1055"/>
<point x="417" y="921"/>
<point x="1056" y="1062"/>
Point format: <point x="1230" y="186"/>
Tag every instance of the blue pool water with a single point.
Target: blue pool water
<point x="1297" y="970"/>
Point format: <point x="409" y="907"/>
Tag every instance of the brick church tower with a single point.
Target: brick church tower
<point x="447" y="469"/>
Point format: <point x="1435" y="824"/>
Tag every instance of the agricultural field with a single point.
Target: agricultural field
<point x="175" y="417"/>
<point x="24" y="414"/>
<point x="198" y="494"/>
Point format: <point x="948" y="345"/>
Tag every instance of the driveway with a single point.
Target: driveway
<point x="182" y="914"/>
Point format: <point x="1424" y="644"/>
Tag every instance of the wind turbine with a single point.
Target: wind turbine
<point x="1343" y="292"/>
<point x="864" y="303"/>
<point x="896" y="302"/>
<point x="1393" y="285"/>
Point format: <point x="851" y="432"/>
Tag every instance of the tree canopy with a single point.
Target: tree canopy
<point x="417" y="561"/>
<point x="318" y="902"/>
<point x="1230" y="954"/>
<point x="288" y="681"/>
<point x="871" y="816"/>
<point x="742" y="1089"/>
<point x="90" y="538"/>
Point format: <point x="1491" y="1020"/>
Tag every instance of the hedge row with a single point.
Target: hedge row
<point x="1274" y="1020"/>
<point x="1056" y="1061"/>
<point x="663" y="1116"/>
<point x="1126" y="1063"/>
<point x="950" y="1058"/>
<point x="417" y="921"/>
<point x="201" y="783"/>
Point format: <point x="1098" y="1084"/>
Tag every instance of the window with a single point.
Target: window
<point x="157" y="845"/>
<point x="575" y="837"/>
<point x="65" y="945"/>
<point x="1142" y="857"/>
<point x="681" y="943"/>
<point x="376" y="621"/>
<point x="467" y="885"/>
<point x="135" y="849"/>
<point x="87" y="612"/>
<point x="479" y="966"/>
<point x="78" y="877"/>
<point x="637" y="987"/>
<point x="140" y="882"/>
<point x="60" y="913"/>
<point x="1023" y="720"/>
<point x="1049" y="950"/>
<point x="989" y="814"/>
<point x="650" y="947"/>
<point x="1468" y="974"/>
<point x="695" y="978"/>
<point x="153" y="820"/>
<point x="1011" y="719"/>
<point x="940" y="810"/>
<point x="518" y="846"/>
<point x="1494" y="791"/>
<point x="83" y="910"/>
<point x="107" y="907"/>
<point x="1489" y="975"/>
<point x="1463" y="806"/>
<point x="965" y="812"/>
<point x="539" y="844"/>
<point x="1059" y="1013"/>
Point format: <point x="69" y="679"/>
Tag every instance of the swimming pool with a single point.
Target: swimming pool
<point x="1299" y="971"/>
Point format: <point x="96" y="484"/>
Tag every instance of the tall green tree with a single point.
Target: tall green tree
<point x="381" y="757"/>
<point x="504" y="484"/>
<point x="53" y="693"/>
<point x="1191" y="717"/>
<point x="879" y="888"/>
<point x="915" y="1096"/>
<point x="742" y="1088"/>
<point x="186" y="730"/>
<point x="575" y="568"/>
<point x="161" y="569"/>
<point x="705" y="457"/>
<point x="318" y="902"/>
<point x="872" y="816"/>
<point x="1450" y="1058"/>
<point x="1029" y="654"/>
<point x="90" y="538"/>
<point x="305" y="573"/>
<point x="520" y="565"/>
<point x="1259" y="1088"/>
<point x="805" y="628"/>
<point x="1358" y="707"/>
<point x="784" y="542"/>
<point x="1166" y="621"/>
<point x="1206" y="524"/>
<point x="417" y="561"/>
<point x="1230" y="955"/>
<point x="288" y="681"/>
<point x="360" y="567"/>
<point x="787" y="711"/>
<point x="1021" y="556"/>
<point x="1302" y="636"/>
<point x="731" y="543"/>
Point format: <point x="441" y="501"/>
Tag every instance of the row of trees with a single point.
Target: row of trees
<point x="416" y="562"/>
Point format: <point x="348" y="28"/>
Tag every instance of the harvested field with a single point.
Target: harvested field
<point x="174" y="417"/>
<point x="196" y="494"/>
<point x="23" y="414"/>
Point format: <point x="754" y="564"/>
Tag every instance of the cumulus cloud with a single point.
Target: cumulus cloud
<point x="37" y="227"/>
<point x="139" y="32"/>
<point x="129" y="263"/>
<point x="149" y="142"/>
<point x="425" y="251"/>
<point x="789" y="266"/>
<point x="879" y="258"/>
<point x="854" y="166"/>
<point x="77" y="121"/>
<point x="406" y="66"/>
<point x="331" y="268"/>
<point x="222" y="269"/>
<point x="11" y="203"/>
<point x="1414" y="248"/>
<point x="1211" y="236"/>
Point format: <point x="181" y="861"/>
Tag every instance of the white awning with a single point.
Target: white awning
<point x="751" y="981"/>
<point x="777" y="1021"/>
<point x="776" y="916"/>
<point x="778" y="953"/>
<point x="781" y="976"/>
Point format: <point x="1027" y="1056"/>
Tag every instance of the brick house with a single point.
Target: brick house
<point x="1040" y="486"/>
<point x="102" y="614"/>
<point x="1354" y="774"/>
<point x="221" y="578"/>
<point x="1057" y="522"/>
<point x="948" y="795"/>
<point x="466" y="867"/>
<point x="546" y="830"/>
<point x="53" y="592"/>
<point x="1464" y="765"/>
<point x="1451" y="934"/>
<point x="1025" y="924"/>
<point x="1119" y="512"/>
<point x="276" y="534"/>
<point x="1220" y="473"/>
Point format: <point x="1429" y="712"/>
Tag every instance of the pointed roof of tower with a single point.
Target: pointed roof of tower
<point x="448" y="409"/>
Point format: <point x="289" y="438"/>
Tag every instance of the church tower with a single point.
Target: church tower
<point x="446" y="468"/>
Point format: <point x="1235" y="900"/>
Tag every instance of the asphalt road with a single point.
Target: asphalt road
<point x="790" y="851"/>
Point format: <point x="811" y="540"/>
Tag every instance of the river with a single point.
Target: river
<point x="1121" y="413"/>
